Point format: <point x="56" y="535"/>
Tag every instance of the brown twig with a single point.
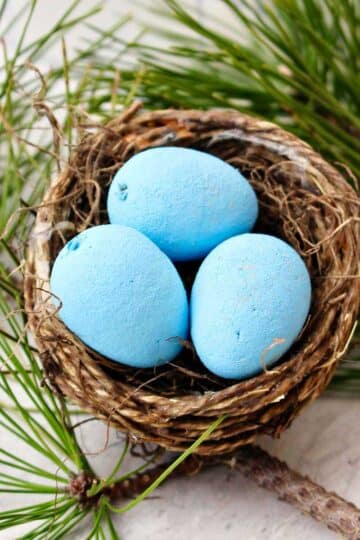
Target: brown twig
<point x="268" y="472"/>
<point x="137" y="484"/>
<point x="329" y="508"/>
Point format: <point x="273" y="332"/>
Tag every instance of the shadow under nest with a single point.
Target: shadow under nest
<point x="302" y="199"/>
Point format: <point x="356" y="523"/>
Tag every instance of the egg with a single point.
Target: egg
<point x="249" y="302"/>
<point x="184" y="200"/>
<point x="121" y="296"/>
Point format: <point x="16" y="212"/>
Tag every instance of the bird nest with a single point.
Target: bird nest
<point x="302" y="199"/>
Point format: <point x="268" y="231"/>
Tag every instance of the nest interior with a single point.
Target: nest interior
<point x="303" y="200"/>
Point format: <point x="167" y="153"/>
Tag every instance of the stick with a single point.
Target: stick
<point x="329" y="508"/>
<point x="268" y="472"/>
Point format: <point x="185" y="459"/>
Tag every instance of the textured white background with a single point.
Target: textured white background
<point x="323" y="443"/>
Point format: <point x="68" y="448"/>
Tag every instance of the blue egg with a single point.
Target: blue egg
<point x="249" y="302"/>
<point x="121" y="296"/>
<point x="185" y="201"/>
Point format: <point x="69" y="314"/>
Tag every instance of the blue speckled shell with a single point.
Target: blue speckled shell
<point x="121" y="295"/>
<point x="184" y="200"/>
<point x="249" y="302"/>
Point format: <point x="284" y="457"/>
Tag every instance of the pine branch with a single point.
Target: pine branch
<point x="298" y="65"/>
<point x="268" y="472"/>
<point x="311" y="89"/>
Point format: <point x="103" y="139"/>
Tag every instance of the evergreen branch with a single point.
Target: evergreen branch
<point x="299" y="67"/>
<point x="296" y="55"/>
<point x="270" y="473"/>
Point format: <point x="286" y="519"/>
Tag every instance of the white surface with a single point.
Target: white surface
<point x="323" y="443"/>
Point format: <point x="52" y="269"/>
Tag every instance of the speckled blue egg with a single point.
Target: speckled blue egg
<point x="121" y="296"/>
<point x="185" y="201"/>
<point x="249" y="302"/>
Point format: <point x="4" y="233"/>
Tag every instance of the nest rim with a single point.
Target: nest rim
<point x="264" y="404"/>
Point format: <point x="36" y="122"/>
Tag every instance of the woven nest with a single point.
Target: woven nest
<point x="302" y="199"/>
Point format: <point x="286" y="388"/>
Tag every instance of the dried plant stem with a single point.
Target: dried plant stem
<point x="137" y="484"/>
<point x="329" y="508"/>
<point x="268" y="472"/>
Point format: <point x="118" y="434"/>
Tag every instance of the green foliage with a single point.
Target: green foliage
<point x="26" y="95"/>
<point x="295" y="62"/>
<point x="45" y="428"/>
